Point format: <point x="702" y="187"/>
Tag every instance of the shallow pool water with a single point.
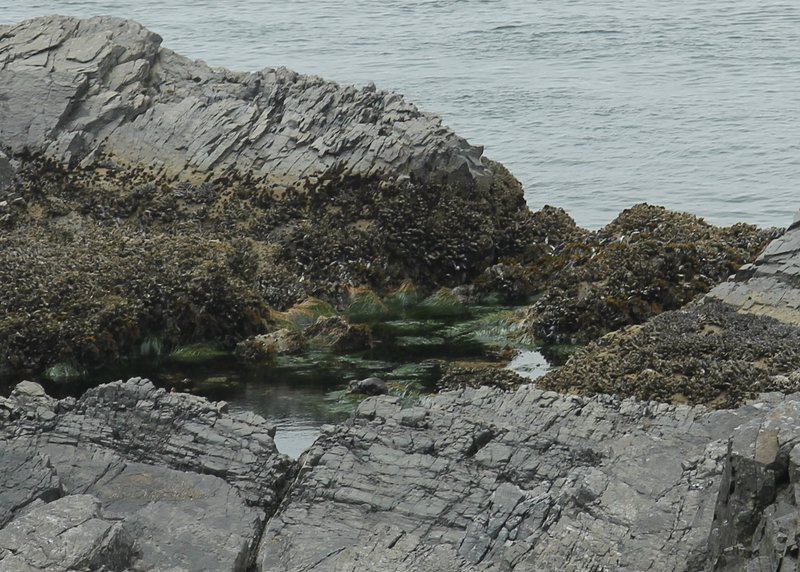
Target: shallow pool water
<point x="300" y="393"/>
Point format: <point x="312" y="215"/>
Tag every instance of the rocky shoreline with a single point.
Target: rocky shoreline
<point x="149" y="200"/>
<point x="129" y="477"/>
<point x="246" y="210"/>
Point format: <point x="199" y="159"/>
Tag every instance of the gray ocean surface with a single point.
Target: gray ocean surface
<point x="594" y="105"/>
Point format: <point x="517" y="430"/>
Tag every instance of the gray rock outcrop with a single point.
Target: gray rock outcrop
<point x="469" y="480"/>
<point x="531" y="480"/>
<point x="187" y="201"/>
<point x="135" y="478"/>
<point x="771" y="285"/>
<point x="104" y="87"/>
<point x="70" y="533"/>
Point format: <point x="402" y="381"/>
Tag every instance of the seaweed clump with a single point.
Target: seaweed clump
<point x="647" y="261"/>
<point x="97" y="260"/>
<point x="704" y="354"/>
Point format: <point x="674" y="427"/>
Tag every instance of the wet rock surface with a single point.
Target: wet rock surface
<point x="70" y="533"/>
<point x="480" y="479"/>
<point x="136" y="478"/>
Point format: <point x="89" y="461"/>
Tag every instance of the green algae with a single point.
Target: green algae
<point x="196" y="353"/>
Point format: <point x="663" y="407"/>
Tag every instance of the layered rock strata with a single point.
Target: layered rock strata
<point x="468" y="480"/>
<point x="770" y="286"/>
<point x="531" y="480"/>
<point x="104" y="87"/>
<point x="144" y="194"/>
<point x="129" y="477"/>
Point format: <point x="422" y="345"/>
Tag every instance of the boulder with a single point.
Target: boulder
<point x="179" y="479"/>
<point x="368" y="386"/>
<point x="266" y="346"/>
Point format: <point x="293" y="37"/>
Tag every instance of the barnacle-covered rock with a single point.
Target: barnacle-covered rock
<point x="120" y="219"/>
<point x="645" y="262"/>
<point x="706" y="353"/>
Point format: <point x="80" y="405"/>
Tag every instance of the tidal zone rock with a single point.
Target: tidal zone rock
<point x="152" y="195"/>
<point x="742" y="338"/>
<point x="647" y="261"/>
<point x="130" y="477"/>
<point x="481" y="479"/>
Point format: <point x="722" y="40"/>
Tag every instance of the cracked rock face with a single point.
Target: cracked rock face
<point x="104" y="86"/>
<point x="485" y="480"/>
<point x="469" y="480"/>
<point x="70" y="533"/>
<point x="136" y="478"/>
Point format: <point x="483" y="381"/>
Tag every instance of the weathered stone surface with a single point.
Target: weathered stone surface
<point x="146" y="424"/>
<point x="179" y="518"/>
<point x="155" y="195"/>
<point x="25" y="477"/>
<point x="186" y="481"/>
<point x="485" y="480"/>
<point x="771" y="285"/>
<point x="757" y="517"/>
<point x="104" y="86"/>
<point x="71" y="533"/>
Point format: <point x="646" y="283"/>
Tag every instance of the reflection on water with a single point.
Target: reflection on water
<point x="530" y="363"/>
<point x="293" y="437"/>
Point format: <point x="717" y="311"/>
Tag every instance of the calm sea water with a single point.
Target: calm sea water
<point x="594" y="104"/>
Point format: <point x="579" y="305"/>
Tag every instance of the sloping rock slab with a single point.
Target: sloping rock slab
<point x="70" y="533"/>
<point x="189" y="481"/>
<point x="179" y="519"/>
<point x="771" y="285"/>
<point x="25" y="476"/>
<point x="145" y="424"/>
<point x="485" y="480"/>
<point x="104" y="86"/>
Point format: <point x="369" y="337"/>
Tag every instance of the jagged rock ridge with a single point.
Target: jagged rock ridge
<point x="80" y="90"/>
